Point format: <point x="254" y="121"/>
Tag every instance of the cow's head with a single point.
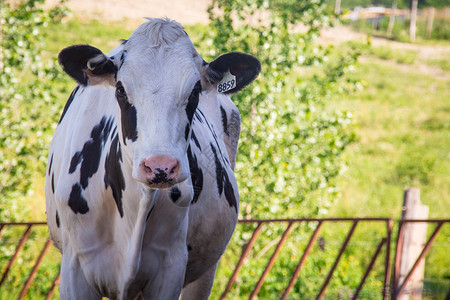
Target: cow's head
<point x="158" y="77"/>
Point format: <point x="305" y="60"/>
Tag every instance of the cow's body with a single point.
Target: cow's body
<point x="122" y="238"/>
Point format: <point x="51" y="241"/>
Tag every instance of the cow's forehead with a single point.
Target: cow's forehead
<point x="152" y="73"/>
<point x="159" y="32"/>
<point x="159" y="55"/>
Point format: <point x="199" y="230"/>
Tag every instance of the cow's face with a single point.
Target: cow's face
<point x="158" y="77"/>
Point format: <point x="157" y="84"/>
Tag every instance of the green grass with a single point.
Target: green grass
<point x="442" y="63"/>
<point x="399" y="56"/>
<point x="403" y="141"/>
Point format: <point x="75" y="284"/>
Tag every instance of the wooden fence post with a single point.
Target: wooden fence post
<point x="430" y="19"/>
<point x="412" y="241"/>
<point x="412" y="22"/>
<point x="337" y="7"/>
<point x="392" y="18"/>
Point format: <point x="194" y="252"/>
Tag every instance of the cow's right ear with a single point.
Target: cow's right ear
<point x="87" y="65"/>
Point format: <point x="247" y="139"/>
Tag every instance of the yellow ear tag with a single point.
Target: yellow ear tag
<point x="227" y="83"/>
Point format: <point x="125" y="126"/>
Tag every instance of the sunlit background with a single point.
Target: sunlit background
<point x="350" y="109"/>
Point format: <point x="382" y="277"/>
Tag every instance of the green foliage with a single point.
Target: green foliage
<point x="27" y="113"/>
<point x="28" y="117"/>
<point x="290" y="146"/>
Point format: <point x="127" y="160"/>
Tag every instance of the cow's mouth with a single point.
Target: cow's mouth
<point x="161" y="180"/>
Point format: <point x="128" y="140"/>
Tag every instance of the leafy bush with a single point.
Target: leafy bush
<point x="28" y="117"/>
<point x="291" y="142"/>
<point x="26" y="109"/>
<point x="289" y="152"/>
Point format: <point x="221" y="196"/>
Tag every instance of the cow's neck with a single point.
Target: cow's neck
<point x="143" y="206"/>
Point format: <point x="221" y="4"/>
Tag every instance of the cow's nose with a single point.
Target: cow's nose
<point x="160" y="169"/>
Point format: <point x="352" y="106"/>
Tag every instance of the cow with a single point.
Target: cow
<point x="141" y="196"/>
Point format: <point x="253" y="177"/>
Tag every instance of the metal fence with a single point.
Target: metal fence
<point x="385" y="241"/>
<point x="392" y="289"/>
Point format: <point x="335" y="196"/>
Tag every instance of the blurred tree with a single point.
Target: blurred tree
<point x="289" y="153"/>
<point x="26" y="111"/>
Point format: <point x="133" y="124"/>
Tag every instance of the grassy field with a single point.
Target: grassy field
<point x="403" y="115"/>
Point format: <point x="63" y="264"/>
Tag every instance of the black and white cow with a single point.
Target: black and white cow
<point x="140" y="192"/>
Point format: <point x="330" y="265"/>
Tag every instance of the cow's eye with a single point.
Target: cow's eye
<point x="120" y="90"/>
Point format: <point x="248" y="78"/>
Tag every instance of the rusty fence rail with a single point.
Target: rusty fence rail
<point x="385" y="241"/>
<point x="391" y="288"/>
<point x="19" y="247"/>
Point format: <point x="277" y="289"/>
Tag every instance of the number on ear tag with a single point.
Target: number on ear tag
<point x="227" y="83"/>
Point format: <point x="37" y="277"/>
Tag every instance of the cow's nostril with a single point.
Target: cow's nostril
<point x="173" y="170"/>
<point x="147" y="169"/>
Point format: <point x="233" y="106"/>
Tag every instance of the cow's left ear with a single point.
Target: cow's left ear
<point x="87" y="65"/>
<point x="232" y="72"/>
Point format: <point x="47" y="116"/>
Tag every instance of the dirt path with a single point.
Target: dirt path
<point x="340" y="34"/>
<point x="184" y="11"/>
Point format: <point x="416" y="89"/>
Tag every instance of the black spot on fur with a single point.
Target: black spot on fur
<point x="196" y="175"/>
<point x="214" y="135"/>
<point x="50" y="165"/>
<point x="189" y="247"/>
<point x="198" y="116"/>
<point x="77" y="202"/>
<point x="175" y="194"/>
<point x="128" y="116"/>
<point x="89" y="156"/>
<point x="224" y="120"/>
<point x="194" y="138"/>
<point x="149" y="213"/>
<point x="193" y="101"/>
<point x="122" y="58"/>
<point x="113" y="173"/>
<point x="53" y="183"/>
<point x="57" y="219"/>
<point x="223" y="182"/>
<point x="69" y="101"/>
<point x="186" y="131"/>
<point x="75" y="161"/>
